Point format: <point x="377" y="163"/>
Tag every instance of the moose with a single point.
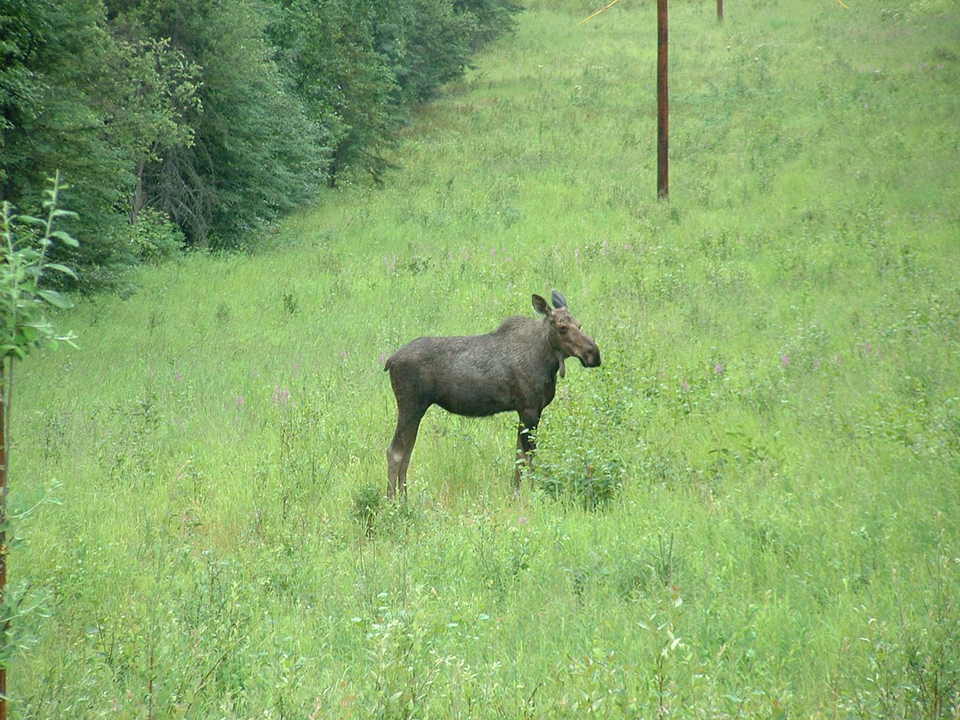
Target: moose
<point x="513" y="368"/>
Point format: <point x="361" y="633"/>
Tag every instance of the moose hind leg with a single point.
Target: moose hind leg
<point x="398" y="454"/>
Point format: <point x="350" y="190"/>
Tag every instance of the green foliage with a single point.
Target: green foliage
<point x="913" y="672"/>
<point x="436" y="44"/>
<point x="366" y="506"/>
<point x="60" y="51"/>
<point x="221" y="116"/>
<point x="152" y="238"/>
<point x="358" y="67"/>
<point x="26" y="244"/>
<point x="492" y="18"/>
<point x="100" y="106"/>
<point x="254" y="152"/>
<point x="150" y="98"/>
<point x="590" y="481"/>
<point x="19" y="91"/>
<point x="326" y="50"/>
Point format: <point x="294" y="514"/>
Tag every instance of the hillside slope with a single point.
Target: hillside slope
<point x="775" y="430"/>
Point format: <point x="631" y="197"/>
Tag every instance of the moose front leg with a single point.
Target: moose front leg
<point x="526" y="444"/>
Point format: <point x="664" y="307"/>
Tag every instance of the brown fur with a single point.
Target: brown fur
<point x="513" y="368"/>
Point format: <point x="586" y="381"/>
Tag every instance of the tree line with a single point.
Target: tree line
<point x="195" y="121"/>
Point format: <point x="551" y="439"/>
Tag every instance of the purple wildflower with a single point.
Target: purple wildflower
<point x="784" y="360"/>
<point x="719" y="368"/>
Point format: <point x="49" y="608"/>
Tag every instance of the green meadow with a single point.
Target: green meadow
<point x="750" y="510"/>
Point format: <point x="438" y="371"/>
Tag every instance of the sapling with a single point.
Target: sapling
<point x="25" y="248"/>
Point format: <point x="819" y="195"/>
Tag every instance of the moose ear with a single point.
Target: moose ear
<point x="540" y="305"/>
<point x="559" y="300"/>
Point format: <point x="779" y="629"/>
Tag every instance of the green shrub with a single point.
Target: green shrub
<point x="366" y="506"/>
<point x="153" y="237"/>
<point x="582" y="477"/>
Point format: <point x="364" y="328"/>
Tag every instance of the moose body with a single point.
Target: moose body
<point x="513" y="368"/>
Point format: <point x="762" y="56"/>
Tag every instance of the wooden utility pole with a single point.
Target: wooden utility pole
<point x="663" y="111"/>
<point x="719" y="10"/>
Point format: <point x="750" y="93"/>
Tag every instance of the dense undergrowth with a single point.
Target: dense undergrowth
<point x="773" y="441"/>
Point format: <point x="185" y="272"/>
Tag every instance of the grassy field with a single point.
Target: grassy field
<point x="749" y="511"/>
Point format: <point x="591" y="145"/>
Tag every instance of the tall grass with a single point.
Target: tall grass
<point x="777" y="416"/>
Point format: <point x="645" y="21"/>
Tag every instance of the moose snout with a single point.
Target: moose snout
<point x="591" y="357"/>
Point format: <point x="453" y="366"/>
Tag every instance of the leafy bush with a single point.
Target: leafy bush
<point x="582" y="477"/>
<point x="24" y="259"/>
<point x="153" y="237"/>
<point x="121" y="245"/>
<point x="366" y="506"/>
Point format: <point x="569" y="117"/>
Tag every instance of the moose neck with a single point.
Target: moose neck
<point x="552" y="355"/>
